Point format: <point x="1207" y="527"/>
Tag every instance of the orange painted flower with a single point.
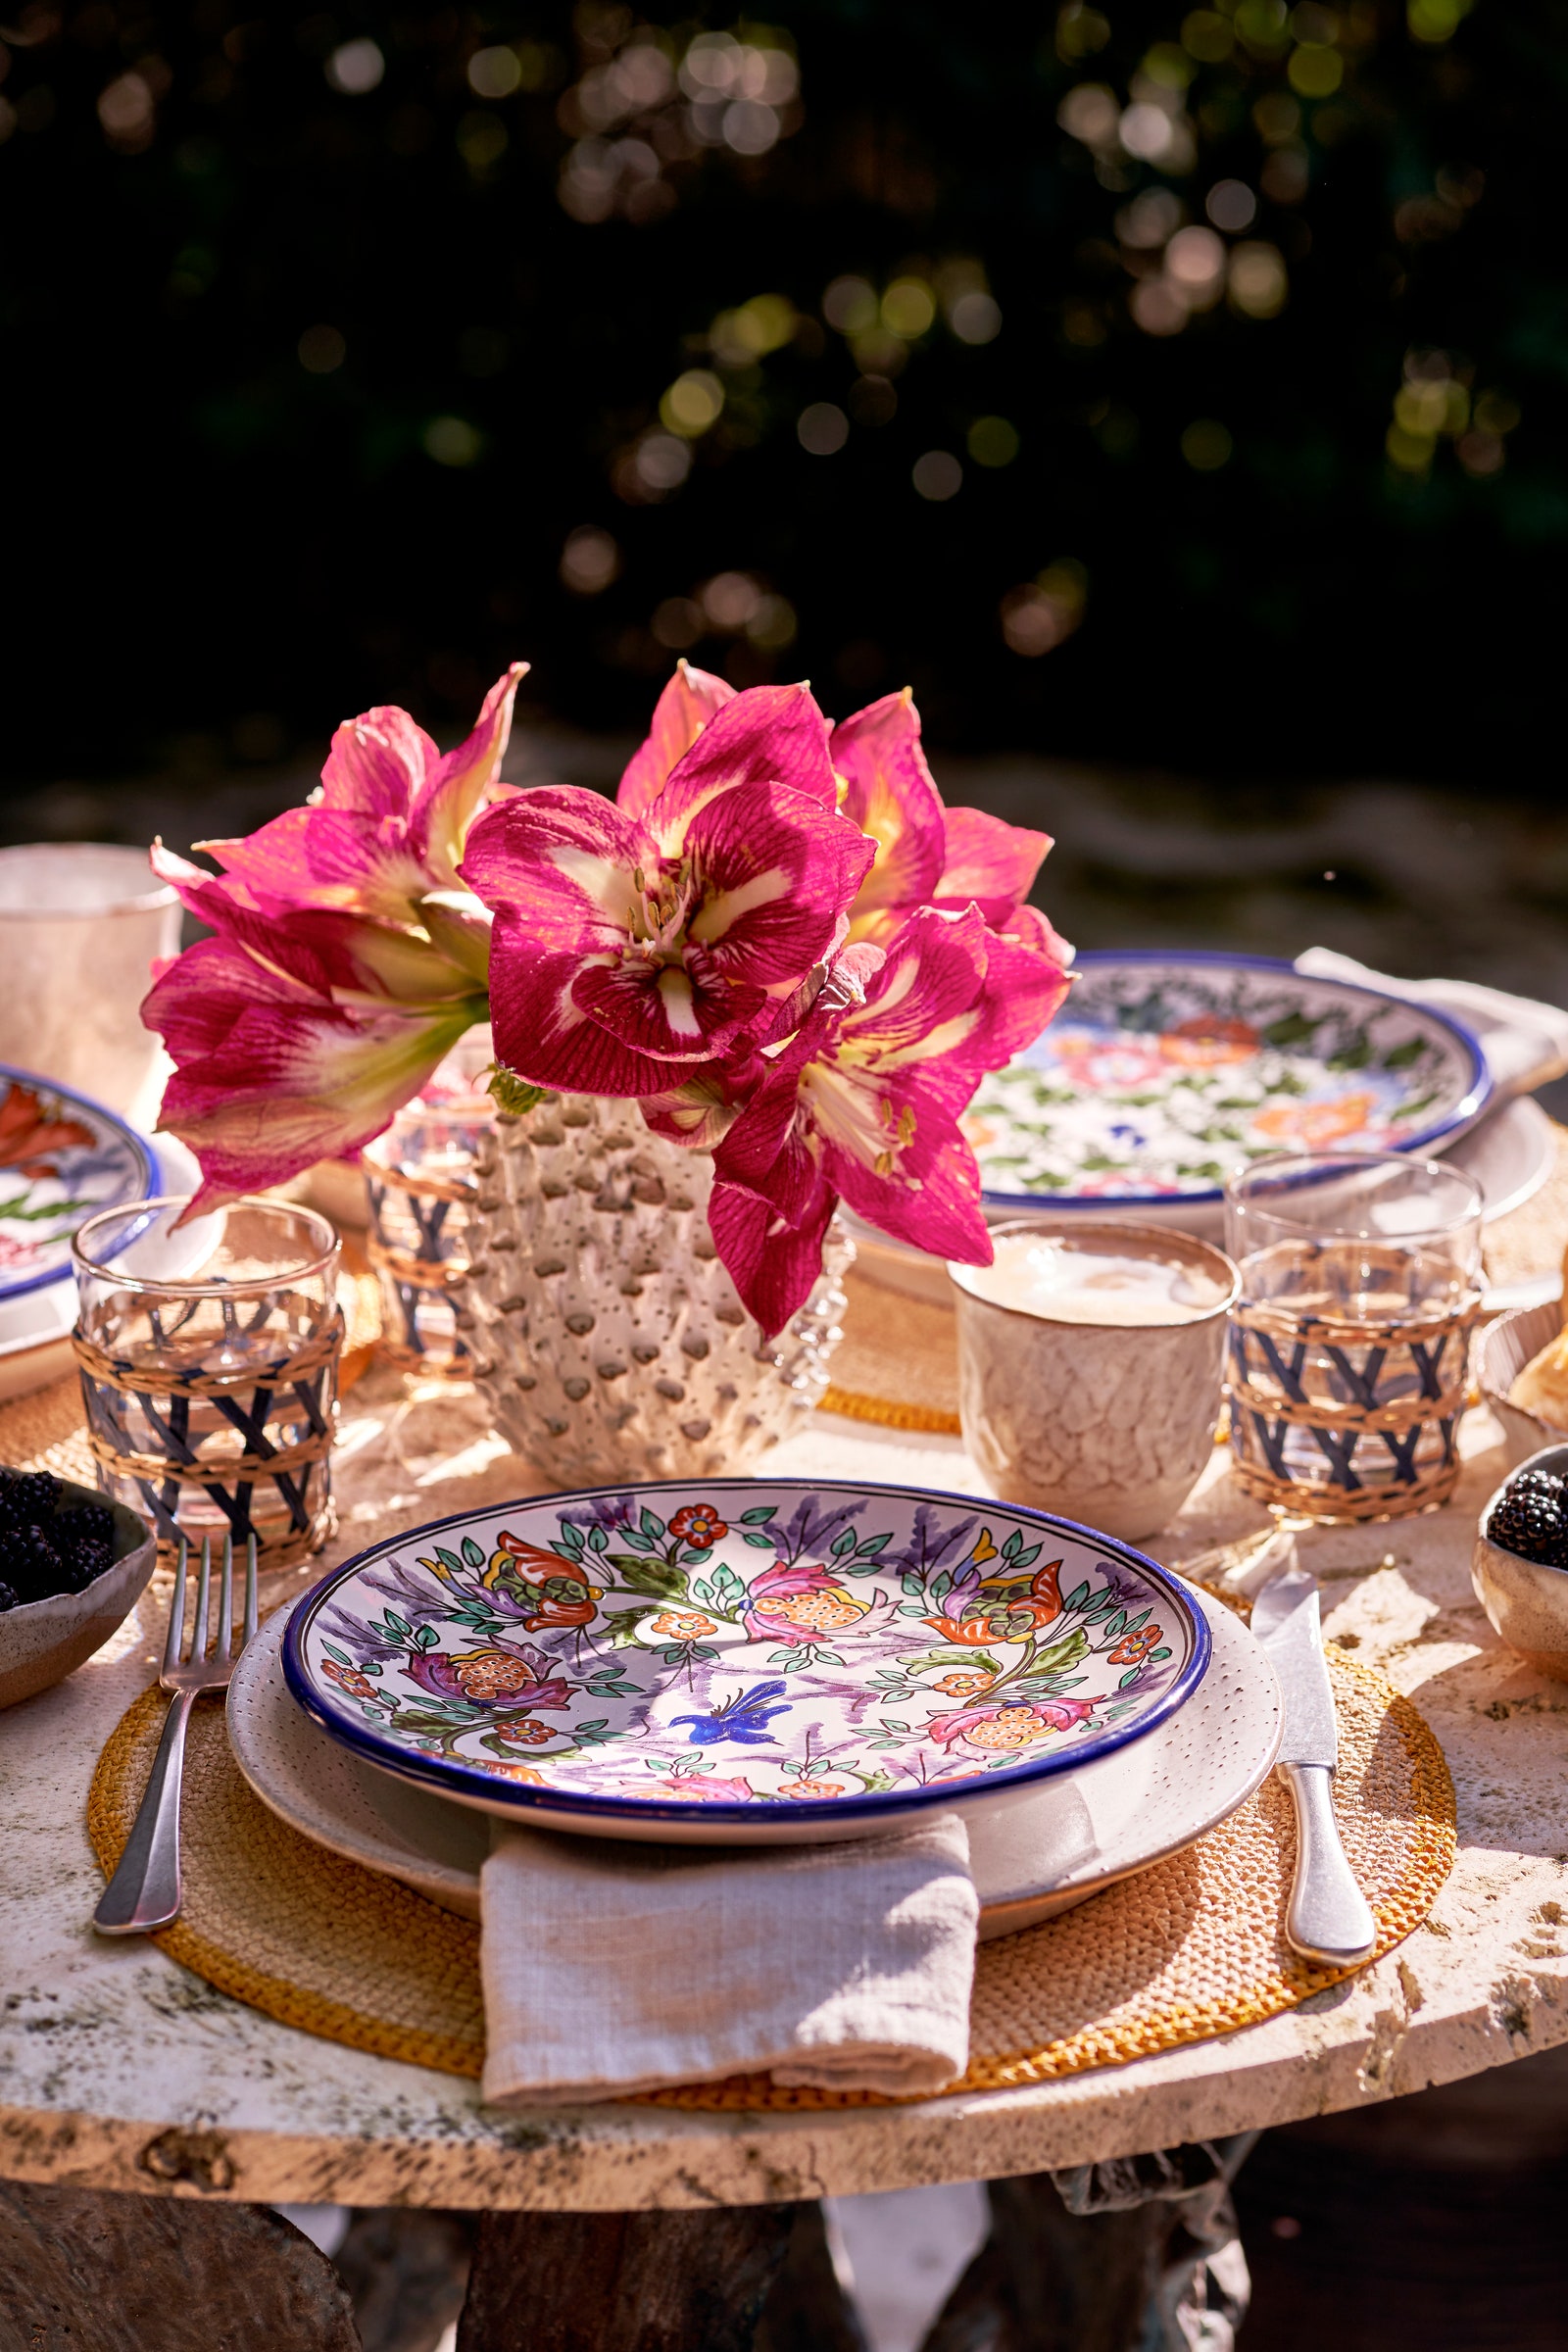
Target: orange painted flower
<point x="515" y="1772"/>
<point x="529" y="1732"/>
<point x="1316" y="1124"/>
<point x="815" y="1789"/>
<point x="1133" y="1648"/>
<point x="678" y="1626"/>
<point x="1206" y="1040"/>
<point x="963" y="1686"/>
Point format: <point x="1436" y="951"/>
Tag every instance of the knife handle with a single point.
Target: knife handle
<point x="1329" y="1918"/>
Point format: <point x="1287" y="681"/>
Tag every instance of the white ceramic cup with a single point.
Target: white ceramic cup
<point x="1106" y="1423"/>
<point x="81" y="924"/>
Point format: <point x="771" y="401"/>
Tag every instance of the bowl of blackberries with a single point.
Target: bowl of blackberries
<point x="73" y="1566"/>
<point x="1520" y="1563"/>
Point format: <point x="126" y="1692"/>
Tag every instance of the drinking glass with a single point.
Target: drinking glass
<point x="82" y="926"/>
<point x="420" y="1179"/>
<point x="1350" y="1341"/>
<point x="209" y="1358"/>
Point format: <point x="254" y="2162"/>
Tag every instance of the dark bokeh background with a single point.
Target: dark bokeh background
<point x="351" y="354"/>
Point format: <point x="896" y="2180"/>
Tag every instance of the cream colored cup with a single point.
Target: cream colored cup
<point x="81" y="924"/>
<point x="1106" y="1423"/>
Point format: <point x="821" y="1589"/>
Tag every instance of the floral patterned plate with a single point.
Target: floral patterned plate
<point x="743" y="1660"/>
<point x="62" y="1158"/>
<point x="1072" y="1836"/>
<point x="1162" y="1073"/>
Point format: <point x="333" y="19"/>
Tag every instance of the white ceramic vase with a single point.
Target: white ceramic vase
<point x="606" y="1336"/>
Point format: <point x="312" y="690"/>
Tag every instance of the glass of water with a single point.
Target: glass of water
<point x="208" y="1356"/>
<point x="1349" y="1338"/>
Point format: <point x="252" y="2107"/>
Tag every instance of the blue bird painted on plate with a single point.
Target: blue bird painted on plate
<point x="745" y="1717"/>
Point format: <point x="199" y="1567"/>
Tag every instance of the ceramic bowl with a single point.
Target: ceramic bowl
<point x="41" y="1641"/>
<point x="744" y="1661"/>
<point x="1526" y="1601"/>
<point x="1501" y="1354"/>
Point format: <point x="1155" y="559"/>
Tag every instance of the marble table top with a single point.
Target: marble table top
<point x="120" y="2070"/>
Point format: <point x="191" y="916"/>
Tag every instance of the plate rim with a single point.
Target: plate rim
<point x="139" y="1143"/>
<point x="1482" y="1086"/>
<point x="998" y="1916"/>
<point x="512" y="1797"/>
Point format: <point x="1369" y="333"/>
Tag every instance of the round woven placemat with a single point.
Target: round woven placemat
<point x="1189" y="1949"/>
<point x="897" y="1361"/>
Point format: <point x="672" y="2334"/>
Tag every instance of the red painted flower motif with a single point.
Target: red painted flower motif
<point x="565" y="1595"/>
<point x="500" y="1674"/>
<point x="699" y="1525"/>
<point x="1133" y="1648"/>
<point x="350" y="1680"/>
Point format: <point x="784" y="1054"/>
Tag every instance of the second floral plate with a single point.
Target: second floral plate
<point x="1166" y="1071"/>
<point x="744" y="1661"/>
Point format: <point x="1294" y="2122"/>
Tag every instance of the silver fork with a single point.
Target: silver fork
<point x="145" y="1890"/>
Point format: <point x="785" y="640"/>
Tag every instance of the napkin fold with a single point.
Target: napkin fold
<point x="1524" y="1041"/>
<point x="610" y="1967"/>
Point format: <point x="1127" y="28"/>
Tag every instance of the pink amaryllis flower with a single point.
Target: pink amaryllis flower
<point x="927" y="854"/>
<point x="348" y="956"/>
<point x="863" y="1100"/>
<point x="628" y="943"/>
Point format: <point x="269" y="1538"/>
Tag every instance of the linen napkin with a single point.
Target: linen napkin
<point x="610" y="1967"/>
<point x="1525" y="1043"/>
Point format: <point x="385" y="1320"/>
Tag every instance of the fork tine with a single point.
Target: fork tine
<point x="250" y="1588"/>
<point x="197" y="1639"/>
<point x="174" y="1645"/>
<point x="225" y="1600"/>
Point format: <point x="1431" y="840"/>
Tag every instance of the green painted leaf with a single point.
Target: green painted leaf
<point x="841" y="1542"/>
<point x="651" y="1526"/>
<point x="472" y="1553"/>
<point x="763" y="1543"/>
<point x="874" y="1545"/>
<point x="655" y="1577"/>
<point x="599" y="1538"/>
<point x="339" y="1657"/>
<point x="1075" y="1600"/>
<point x="761" y="1516"/>
<point x="1131" y="1675"/>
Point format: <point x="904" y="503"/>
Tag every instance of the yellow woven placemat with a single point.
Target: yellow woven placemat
<point x="1189" y="1949"/>
<point x="897" y="1362"/>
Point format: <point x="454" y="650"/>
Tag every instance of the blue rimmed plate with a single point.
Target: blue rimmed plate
<point x="1164" y="1072"/>
<point x="62" y="1158"/>
<point x="743" y="1661"/>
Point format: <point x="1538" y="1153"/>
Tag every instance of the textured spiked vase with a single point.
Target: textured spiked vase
<point x="606" y="1336"/>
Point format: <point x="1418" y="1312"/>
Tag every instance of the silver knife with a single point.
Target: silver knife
<point x="1329" y="1918"/>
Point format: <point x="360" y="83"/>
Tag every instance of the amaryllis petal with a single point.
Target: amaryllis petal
<point x="774" y="1266"/>
<point x="377" y="762"/>
<point x="452" y="791"/>
<point x="685" y="1012"/>
<point x="988" y="862"/>
<point x="543" y="1037"/>
<point x="889" y="792"/>
<point x="273" y="1075"/>
<point x="681" y="713"/>
<point x="776" y="871"/>
<point x="566" y="855"/>
<point x="768" y="735"/>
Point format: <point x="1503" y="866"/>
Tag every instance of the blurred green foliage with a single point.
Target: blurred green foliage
<point x="1181" y="388"/>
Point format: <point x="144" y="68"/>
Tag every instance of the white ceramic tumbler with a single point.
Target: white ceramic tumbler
<point x="81" y="926"/>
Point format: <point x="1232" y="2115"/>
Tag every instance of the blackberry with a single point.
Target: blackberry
<point x="1532" y="1518"/>
<point x="27" y="1496"/>
<point x="8" y="1599"/>
<point x="30" y="1564"/>
<point x="84" y="1538"/>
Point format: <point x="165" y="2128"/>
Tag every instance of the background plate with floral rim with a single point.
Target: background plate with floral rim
<point x="1164" y="1072"/>
<point x="62" y="1158"/>
<point x="743" y="1660"/>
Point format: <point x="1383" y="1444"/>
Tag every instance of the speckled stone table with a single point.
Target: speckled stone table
<point x="120" y="2070"/>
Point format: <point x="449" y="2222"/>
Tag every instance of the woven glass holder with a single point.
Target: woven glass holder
<point x="420" y="1180"/>
<point x="208" y="1356"/>
<point x="1333" y="1420"/>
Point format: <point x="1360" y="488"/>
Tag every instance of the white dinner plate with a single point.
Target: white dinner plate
<point x="1072" y="1837"/>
